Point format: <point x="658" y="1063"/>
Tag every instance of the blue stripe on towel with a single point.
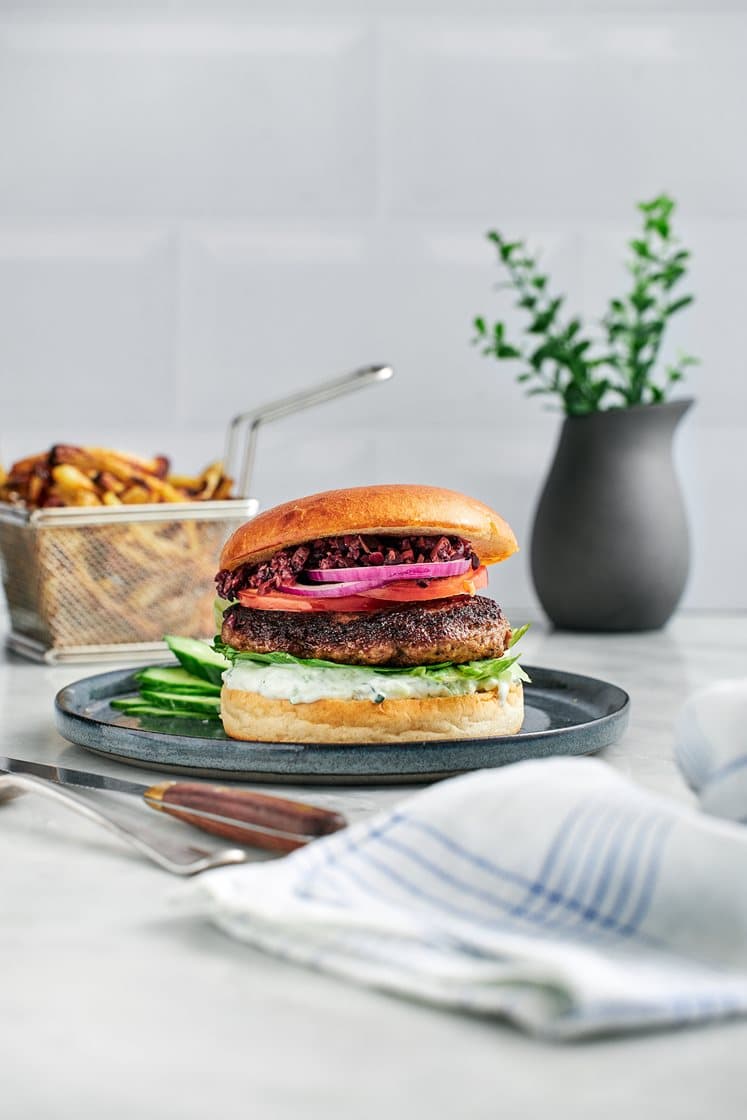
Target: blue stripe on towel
<point x="558" y="905"/>
<point x="613" y="855"/>
<point x="381" y="836"/>
<point x="540" y="887"/>
<point x="630" y="871"/>
<point x="578" y="859"/>
<point x="591" y="914"/>
<point x="556" y="894"/>
<point x="533" y="887"/>
<point x="596" y="867"/>
<point x="678" y="1008"/>
<point x="729" y="768"/>
<point x="333" y="848"/>
<point x="651" y="875"/>
<point x="617" y="827"/>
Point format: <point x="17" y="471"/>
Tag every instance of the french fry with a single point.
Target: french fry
<point x="108" y="483"/>
<point x="71" y="475"/>
<point x="128" y="463"/>
<point x="136" y="494"/>
<point x="223" y="490"/>
<point x="161" y="468"/>
<point x="114" y="463"/>
<point x="130" y="581"/>
<point x="210" y="479"/>
<point x="36" y="487"/>
<point x="23" y="467"/>
<point x="186" y="482"/>
<point x="193" y="542"/>
<point x="165" y="491"/>
<point x="86" y="498"/>
<point x="64" y="454"/>
<point x="72" y="479"/>
<point x="140" y="546"/>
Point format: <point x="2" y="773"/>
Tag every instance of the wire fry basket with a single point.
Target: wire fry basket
<point x="105" y="583"/>
<point x="108" y="583"/>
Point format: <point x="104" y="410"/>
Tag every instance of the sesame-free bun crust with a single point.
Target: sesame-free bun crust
<point x="394" y="510"/>
<point x="482" y="715"/>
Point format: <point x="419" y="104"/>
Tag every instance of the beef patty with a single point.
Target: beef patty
<point x="459" y="629"/>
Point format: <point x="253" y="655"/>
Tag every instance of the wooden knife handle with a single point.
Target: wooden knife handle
<point x="245" y="816"/>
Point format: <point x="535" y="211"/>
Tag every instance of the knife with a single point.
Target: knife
<point x="244" y="816"/>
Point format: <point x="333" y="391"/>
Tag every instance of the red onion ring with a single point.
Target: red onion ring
<point x="331" y="590"/>
<point x="384" y="573"/>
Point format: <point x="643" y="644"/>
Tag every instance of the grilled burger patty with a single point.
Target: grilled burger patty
<point x="460" y="629"/>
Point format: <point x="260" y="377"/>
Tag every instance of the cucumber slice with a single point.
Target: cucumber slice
<point x="198" y="658"/>
<point x="139" y="708"/>
<point x="125" y="703"/>
<point x="176" y="680"/>
<point x="182" y="701"/>
<point x="175" y="723"/>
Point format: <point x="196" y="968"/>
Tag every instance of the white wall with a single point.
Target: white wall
<point x="207" y="205"/>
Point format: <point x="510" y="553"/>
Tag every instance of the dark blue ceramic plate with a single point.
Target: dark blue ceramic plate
<point x="564" y="714"/>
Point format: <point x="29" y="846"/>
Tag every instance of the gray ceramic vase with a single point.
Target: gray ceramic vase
<point x="610" y="547"/>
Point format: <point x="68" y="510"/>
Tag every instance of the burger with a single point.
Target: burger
<point x="354" y="616"/>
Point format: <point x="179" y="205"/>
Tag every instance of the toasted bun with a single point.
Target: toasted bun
<point x="397" y="511"/>
<point x="250" y="716"/>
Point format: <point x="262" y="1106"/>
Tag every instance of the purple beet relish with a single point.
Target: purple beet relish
<point x="341" y="552"/>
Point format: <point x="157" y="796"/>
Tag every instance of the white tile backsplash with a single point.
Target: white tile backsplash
<point x="197" y="119"/>
<point x="204" y="206"/>
<point x="568" y="116"/>
<point x="88" y="321"/>
<point x="267" y="311"/>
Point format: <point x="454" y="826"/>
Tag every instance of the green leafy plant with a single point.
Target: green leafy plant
<point x="617" y="366"/>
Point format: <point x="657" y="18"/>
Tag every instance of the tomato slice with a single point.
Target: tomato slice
<point x="399" y="591"/>
<point x="280" y="601"/>
<point x="408" y="591"/>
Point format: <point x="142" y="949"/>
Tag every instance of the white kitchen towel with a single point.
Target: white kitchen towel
<point x="552" y="892"/>
<point x="711" y="747"/>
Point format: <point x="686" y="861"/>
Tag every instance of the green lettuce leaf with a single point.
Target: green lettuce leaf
<point x="517" y="635"/>
<point x="491" y="667"/>
<point x="476" y="670"/>
<point x="277" y="658"/>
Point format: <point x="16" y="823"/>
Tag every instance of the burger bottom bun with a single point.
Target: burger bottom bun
<point x="481" y="715"/>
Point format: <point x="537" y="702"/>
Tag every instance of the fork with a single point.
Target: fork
<point x="179" y="859"/>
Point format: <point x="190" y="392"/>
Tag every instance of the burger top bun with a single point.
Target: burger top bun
<point x="394" y="510"/>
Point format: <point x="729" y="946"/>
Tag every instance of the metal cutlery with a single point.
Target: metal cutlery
<point x="244" y="816"/>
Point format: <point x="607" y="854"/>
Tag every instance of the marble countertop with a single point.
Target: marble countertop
<point x="115" y="1004"/>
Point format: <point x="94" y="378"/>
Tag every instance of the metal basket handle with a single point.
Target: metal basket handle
<point x="276" y="410"/>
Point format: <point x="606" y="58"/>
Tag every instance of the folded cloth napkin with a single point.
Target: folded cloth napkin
<point x="552" y="892"/>
<point x="711" y="747"/>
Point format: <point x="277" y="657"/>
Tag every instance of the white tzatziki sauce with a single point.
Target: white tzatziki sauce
<point x="303" y="684"/>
